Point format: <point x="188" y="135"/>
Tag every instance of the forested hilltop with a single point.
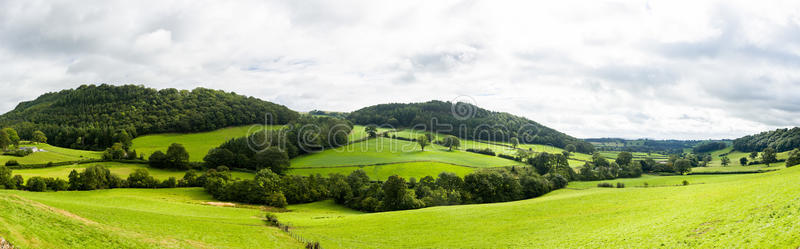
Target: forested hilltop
<point x="479" y="123"/>
<point x="780" y="140"/>
<point x="91" y="116"/>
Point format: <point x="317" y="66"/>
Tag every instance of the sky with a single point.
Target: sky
<point x="630" y="69"/>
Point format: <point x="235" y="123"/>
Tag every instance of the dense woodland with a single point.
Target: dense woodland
<point x="780" y="140"/>
<point x="709" y="146"/>
<point x="477" y="123"/>
<point x="90" y="116"/>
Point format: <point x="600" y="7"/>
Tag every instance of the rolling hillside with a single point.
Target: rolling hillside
<point x="755" y="210"/>
<point x="132" y="218"/>
<point x="89" y="117"/>
<point x="477" y="123"/>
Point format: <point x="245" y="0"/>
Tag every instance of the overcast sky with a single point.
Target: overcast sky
<point x="655" y="69"/>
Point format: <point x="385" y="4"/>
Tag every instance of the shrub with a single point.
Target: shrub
<point x="272" y="219"/>
<point x="794" y="158"/>
<point x="605" y="185"/>
<point x="685" y="182"/>
<point x="12" y="163"/>
<point x="36" y="184"/>
<point x="277" y="199"/>
<point x="620" y="185"/>
<point x="646" y="185"/>
<point x="509" y="157"/>
<point x="485" y="151"/>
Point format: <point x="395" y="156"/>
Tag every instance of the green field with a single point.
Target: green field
<point x="121" y="169"/>
<point x="385" y="150"/>
<point x="718" y="211"/>
<point x="381" y="172"/>
<point x="52" y="154"/>
<point x="132" y="218"/>
<point x="358" y="132"/>
<point x="197" y="144"/>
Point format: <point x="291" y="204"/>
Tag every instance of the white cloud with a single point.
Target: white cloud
<point x="659" y="69"/>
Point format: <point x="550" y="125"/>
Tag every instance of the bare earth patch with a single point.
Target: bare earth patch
<point x="220" y="204"/>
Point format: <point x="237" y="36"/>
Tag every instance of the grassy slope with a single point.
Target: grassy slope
<point x="121" y="169"/>
<point x="382" y="172"/>
<point x="755" y="211"/>
<point x="52" y="154"/>
<point x="358" y="132"/>
<point x="386" y="150"/>
<point x="132" y="218"/>
<point x="197" y="144"/>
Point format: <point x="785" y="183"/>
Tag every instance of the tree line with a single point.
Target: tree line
<point x="89" y="116"/>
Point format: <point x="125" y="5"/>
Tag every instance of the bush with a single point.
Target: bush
<point x="645" y="184"/>
<point x="485" y="151"/>
<point x="19" y="153"/>
<point x="36" y="184"/>
<point x="12" y="163"/>
<point x="509" y="157"/>
<point x="620" y="185"/>
<point x="685" y="182"/>
<point x="605" y="185"/>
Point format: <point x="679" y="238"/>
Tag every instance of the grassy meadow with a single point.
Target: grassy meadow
<point x="719" y="211"/>
<point x="386" y="150"/>
<point x="197" y="144"/>
<point x="51" y="154"/>
<point x="132" y="218"/>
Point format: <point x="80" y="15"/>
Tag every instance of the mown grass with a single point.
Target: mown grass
<point x="382" y="172"/>
<point x="121" y="169"/>
<point x="197" y="144"/>
<point x="739" y="211"/>
<point x="387" y="150"/>
<point x="133" y="218"/>
<point x="52" y="154"/>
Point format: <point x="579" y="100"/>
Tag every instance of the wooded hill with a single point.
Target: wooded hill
<point x="780" y="140"/>
<point x="479" y="123"/>
<point x="90" y="116"/>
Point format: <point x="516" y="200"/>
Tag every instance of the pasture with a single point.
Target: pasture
<point x="197" y="144"/>
<point x="386" y="150"/>
<point x="52" y="154"/>
<point x="132" y="218"/>
<point x="752" y="210"/>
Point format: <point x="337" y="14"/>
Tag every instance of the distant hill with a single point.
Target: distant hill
<point x="477" y="123"/>
<point x="780" y="139"/>
<point x="89" y="116"/>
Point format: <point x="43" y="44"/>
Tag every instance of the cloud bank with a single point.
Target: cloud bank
<point x="656" y="69"/>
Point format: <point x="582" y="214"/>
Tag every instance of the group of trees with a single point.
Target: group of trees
<point x="485" y="186"/>
<point x="476" y="123"/>
<point x="794" y="158"/>
<point x="176" y="158"/>
<point x="272" y="149"/>
<point x="90" y="178"/>
<point x="89" y="116"/>
<point x="602" y="169"/>
<point x="9" y="137"/>
<point x="780" y="140"/>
